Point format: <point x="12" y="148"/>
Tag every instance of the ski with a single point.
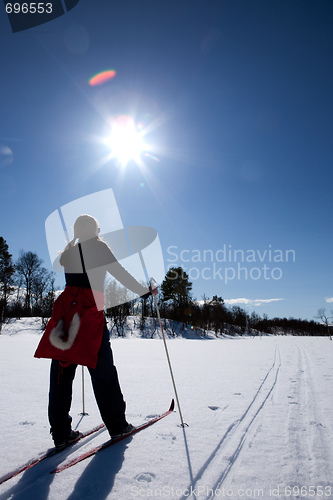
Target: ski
<point x="47" y="454"/>
<point x="113" y="441"/>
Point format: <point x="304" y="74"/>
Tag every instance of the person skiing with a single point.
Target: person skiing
<point x="77" y="333"/>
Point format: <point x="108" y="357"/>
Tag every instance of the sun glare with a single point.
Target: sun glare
<point x="125" y="141"/>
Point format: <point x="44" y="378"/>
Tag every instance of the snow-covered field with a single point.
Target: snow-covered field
<point x="259" y="410"/>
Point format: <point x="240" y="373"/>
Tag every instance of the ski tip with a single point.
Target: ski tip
<point x="172" y="406"/>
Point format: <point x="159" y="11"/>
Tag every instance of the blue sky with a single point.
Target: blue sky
<point x="236" y="102"/>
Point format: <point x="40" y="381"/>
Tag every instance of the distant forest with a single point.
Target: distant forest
<point x="27" y="289"/>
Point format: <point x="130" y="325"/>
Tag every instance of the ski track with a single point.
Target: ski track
<point x="305" y="438"/>
<point x="308" y="447"/>
<point x="281" y="438"/>
<point x="230" y="446"/>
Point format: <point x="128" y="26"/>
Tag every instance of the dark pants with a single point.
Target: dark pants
<point x="106" y="388"/>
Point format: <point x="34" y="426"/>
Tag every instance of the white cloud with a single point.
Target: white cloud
<point x="250" y="302"/>
<point x="329" y="300"/>
<point x="244" y="301"/>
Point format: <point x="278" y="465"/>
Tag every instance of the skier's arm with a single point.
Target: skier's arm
<point x="126" y="279"/>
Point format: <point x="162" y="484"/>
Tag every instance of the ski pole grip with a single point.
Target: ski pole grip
<point x="153" y="287"/>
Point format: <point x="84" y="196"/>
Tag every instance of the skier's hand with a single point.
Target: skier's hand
<point x="153" y="290"/>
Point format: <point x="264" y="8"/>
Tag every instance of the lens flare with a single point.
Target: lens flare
<point x="153" y="157"/>
<point x="6" y="156"/>
<point x="102" y="77"/>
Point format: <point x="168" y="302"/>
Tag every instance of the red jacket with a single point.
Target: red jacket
<point x="74" y="332"/>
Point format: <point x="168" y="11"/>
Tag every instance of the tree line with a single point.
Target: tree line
<point x="213" y="314"/>
<point x="26" y="286"/>
<point x="27" y="289"/>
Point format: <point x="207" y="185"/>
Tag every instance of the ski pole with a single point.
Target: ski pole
<point x="83" y="402"/>
<point x="83" y="405"/>
<point x="168" y="357"/>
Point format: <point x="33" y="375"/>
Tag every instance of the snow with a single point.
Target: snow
<point x="259" y="413"/>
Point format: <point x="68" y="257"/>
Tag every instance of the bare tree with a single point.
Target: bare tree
<point x="28" y="269"/>
<point x="322" y="316"/>
<point x="42" y="285"/>
<point x="118" y="304"/>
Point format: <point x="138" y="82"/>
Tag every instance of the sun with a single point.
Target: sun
<point x="125" y="141"/>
